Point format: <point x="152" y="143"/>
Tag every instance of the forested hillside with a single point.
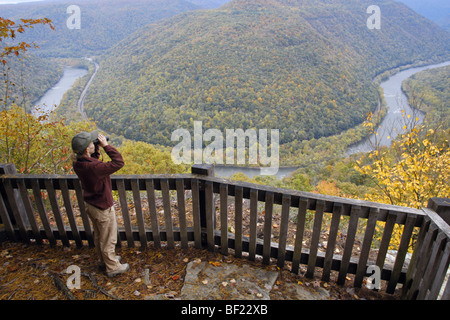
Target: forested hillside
<point x="26" y="79"/>
<point x="303" y="67"/>
<point x="435" y="10"/>
<point x="102" y="23"/>
<point x="430" y="92"/>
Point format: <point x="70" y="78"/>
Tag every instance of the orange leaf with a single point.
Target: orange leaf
<point x="215" y="263"/>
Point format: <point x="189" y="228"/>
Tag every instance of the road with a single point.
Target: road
<point x="83" y="94"/>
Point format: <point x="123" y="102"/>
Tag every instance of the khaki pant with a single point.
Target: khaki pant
<point x="105" y="235"/>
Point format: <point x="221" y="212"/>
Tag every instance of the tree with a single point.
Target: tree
<point x="415" y="168"/>
<point x="35" y="144"/>
<point x="144" y="158"/>
<point x="9" y="30"/>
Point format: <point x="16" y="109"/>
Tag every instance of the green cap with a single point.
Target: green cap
<point x="82" y="140"/>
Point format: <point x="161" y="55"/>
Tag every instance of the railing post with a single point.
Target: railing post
<point x="208" y="171"/>
<point x="10" y="168"/>
<point x="441" y="206"/>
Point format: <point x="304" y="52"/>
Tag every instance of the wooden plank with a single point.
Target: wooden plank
<point x="125" y="214"/>
<point x="402" y="250"/>
<point x="139" y="214"/>
<point x="167" y="213"/>
<point x="69" y="212"/>
<point x="336" y="217"/>
<point x="150" y="188"/>
<point x="182" y="213"/>
<point x="446" y="293"/>
<point x="224" y="218"/>
<point x="440" y="275"/>
<point x="29" y="210"/>
<point x="349" y="242"/>
<point x="196" y="213"/>
<point x="329" y="200"/>
<point x="56" y="212"/>
<point x="285" y="206"/>
<point x="42" y="212"/>
<point x="6" y="221"/>
<point x="11" y="195"/>
<point x="84" y="217"/>
<point x="365" y="248"/>
<point x="210" y="215"/>
<point x="386" y="239"/>
<point x="416" y="256"/>
<point x="432" y="265"/>
<point x="420" y="264"/>
<point x="269" y="199"/>
<point x="253" y="221"/>
<point x="238" y="197"/>
<point x="317" y="227"/>
<point x="301" y="218"/>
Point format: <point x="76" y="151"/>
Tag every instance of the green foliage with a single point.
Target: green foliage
<point x="429" y="91"/>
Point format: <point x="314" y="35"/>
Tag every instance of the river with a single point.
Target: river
<point x="391" y="125"/>
<point x="52" y="98"/>
<point x="396" y="101"/>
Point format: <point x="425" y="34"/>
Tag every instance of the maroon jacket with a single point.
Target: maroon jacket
<point x="95" y="176"/>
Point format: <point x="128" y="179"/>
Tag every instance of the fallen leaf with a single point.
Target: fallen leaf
<point x="215" y="263"/>
<point x="175" y="277"/>
<point x="205" y="281"/>
<point x="224" y="283"/>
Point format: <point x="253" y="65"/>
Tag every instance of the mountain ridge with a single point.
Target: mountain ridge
<point x="258" y="64"/>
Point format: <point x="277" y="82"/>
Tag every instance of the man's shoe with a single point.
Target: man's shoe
<point x="123" y="268"/>
<point x="102" y="266"/>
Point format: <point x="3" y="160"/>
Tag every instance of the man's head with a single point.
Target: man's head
<point x="83" y="142"/>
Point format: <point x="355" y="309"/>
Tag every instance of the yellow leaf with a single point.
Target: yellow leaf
<point x="215" y="263"/>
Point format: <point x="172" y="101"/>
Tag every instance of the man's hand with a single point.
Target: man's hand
<point x="102" y="140"/>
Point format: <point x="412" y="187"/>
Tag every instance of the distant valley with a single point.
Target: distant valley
<point x="304" y="67"/>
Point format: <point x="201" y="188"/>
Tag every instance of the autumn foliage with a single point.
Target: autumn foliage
<point x="9" y="30"/>
<point x="414" y="169"/>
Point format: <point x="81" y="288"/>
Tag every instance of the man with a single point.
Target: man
<point x="97" y="192"/>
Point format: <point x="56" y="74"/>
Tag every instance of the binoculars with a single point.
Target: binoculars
<point x="96" y="142"/>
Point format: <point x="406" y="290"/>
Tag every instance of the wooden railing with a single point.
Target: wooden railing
<point x="319" y="235"/>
